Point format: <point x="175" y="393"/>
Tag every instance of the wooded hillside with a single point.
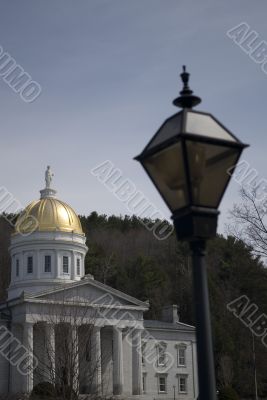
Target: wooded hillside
<point x="124" y="254"/>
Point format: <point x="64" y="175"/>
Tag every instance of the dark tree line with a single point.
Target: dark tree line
<point x="124" y="254"/>
<point x="127" y="256"/>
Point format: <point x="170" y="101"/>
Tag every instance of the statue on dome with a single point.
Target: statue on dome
<point x="48" y="177"/>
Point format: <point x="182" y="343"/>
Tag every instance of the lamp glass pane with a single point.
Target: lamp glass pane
<point x="205" y="125"/>
<point x="208" y="166"/>
<point x="169" y="129"/>
<point x="166" y="168"/>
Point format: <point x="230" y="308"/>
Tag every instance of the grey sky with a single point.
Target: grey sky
<point x="109" y="70"/>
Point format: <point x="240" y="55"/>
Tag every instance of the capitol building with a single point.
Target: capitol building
<point x="61" y="326"/>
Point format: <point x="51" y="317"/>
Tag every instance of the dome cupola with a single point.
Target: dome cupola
<point x="48" y="246"/>
<point x="48" y="213"/>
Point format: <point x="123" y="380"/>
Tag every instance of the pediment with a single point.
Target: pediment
<point x="91" y="293"/>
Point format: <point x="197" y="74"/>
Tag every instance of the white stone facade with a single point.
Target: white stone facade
<point x="49" y="290"/>
<point x="127" y="345"/>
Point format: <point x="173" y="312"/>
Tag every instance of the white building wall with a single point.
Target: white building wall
<point x="152" y="370"/>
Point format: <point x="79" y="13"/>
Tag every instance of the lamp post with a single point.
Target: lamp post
<point x="187" y="160"/>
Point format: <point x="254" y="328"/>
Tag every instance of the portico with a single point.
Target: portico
<point x="104" y="339"/>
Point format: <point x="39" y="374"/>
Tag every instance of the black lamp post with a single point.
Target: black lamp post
<point x="187" y="160"/>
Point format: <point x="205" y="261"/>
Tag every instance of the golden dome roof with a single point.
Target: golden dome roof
<point x="49" y="214"/>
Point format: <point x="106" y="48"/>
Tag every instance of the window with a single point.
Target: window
<point x="144" y="383"/>
<point x="161" y="354"/>
<point x="17" y="267"/>
<point x="181" y="356"/>
<point x="47" y="266"/>
<point x="78" y="266"/>
<point x="65" y="265"/>
<point x="162" y="384"/>
<point x="182" y="384"/>
<point x="30" y="265"/>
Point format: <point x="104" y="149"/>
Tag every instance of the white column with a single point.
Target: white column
<point x="117" y="361"/>
<point x="72" y="266"/>
<point x="38" y="264"/>
<point x="27" y="385"/>
<point x="50" y="353"/>
<point x="96" y="360"/>
<point x="58" y="264"/>
<point x="82" y="266"/>
<point x="55" y="264"/>
<point x="137" y="361"/>
<point x="75" y="356"/>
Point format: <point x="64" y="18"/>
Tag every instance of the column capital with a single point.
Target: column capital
<point x="96" y="328"/>
<point x="139" y="328"/>
<point x="117" y="328"/>
<point x="28" y="324"/>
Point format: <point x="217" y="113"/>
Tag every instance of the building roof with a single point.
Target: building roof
<point x="178" y="326"/>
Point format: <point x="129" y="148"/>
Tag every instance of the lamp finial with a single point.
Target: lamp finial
<point x="187" y="99"/>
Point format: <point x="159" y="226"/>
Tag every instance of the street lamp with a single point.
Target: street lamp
<point x="188" y="160"/>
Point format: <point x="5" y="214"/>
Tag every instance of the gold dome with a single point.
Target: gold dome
<point x="50" y="214"/>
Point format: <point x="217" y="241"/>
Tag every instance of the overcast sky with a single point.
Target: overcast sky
<point x="109" y="70"/>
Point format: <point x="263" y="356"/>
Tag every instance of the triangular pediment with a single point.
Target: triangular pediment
<point x="90" y="292"/>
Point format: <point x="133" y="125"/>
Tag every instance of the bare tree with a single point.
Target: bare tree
<point x="249" y="221"/>
<point x="65" y="347"/>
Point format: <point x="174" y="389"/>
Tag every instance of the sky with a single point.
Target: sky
<point x="108" y="72"/>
